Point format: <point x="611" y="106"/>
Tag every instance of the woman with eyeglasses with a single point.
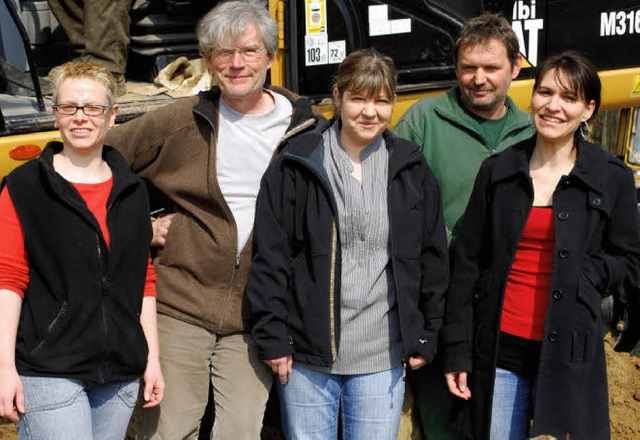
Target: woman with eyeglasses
<point x="346" y="286"/>
<point x="77" y="289"/>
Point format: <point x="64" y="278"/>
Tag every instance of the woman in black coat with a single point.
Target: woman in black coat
<point x="550" y="228"/>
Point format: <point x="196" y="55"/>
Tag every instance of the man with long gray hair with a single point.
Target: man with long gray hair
<point x="207" y="154"/>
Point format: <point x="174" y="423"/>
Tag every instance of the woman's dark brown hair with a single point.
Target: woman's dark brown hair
<point x="573" y="72"/>
<point x="368" y="71"/>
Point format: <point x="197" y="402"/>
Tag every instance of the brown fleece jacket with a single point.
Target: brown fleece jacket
<point x="200" y="279"/>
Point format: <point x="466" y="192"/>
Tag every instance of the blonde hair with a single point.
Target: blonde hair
<point x="83" y="69"/>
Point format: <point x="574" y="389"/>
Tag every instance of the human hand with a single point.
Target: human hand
<point x="153" y="382"/>
<point x="11" y="395"/>
<point x="281" y="367"/>
<point x="457" y="383"/>
<point x="160" y="228"/>
<point x="416" y="362"/>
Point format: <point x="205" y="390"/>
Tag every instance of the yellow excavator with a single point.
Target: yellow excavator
<point x="314" y="36"/>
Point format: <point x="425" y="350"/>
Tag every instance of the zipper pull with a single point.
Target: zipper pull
<point x="237" y="261"/>
<point x="404" y="370"/>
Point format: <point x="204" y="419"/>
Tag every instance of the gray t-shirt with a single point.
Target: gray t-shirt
<point x="244" y="150"/>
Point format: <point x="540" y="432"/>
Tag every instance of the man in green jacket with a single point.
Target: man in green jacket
<point x="456" y="132"/>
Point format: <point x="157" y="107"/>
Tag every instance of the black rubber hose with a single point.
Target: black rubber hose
<point x="27" y="47"/>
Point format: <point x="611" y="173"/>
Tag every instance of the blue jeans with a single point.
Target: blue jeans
<point x="59" y="408"/>
<point x="512" y="406"/>
<point x="370" y="405"/>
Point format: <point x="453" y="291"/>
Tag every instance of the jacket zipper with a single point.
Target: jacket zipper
<point x="403" y="361"/>
<point x="236" y="266"/>
<point x="103" y="316"/>
<point x="334" y="250"/>
<point x="391" y="242"/>
<point x="104" y="277"/>
<point x="216" y="194"/>
<point x="332" y="277"/>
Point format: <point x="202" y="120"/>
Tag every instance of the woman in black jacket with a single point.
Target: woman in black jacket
<point x="350" y="264"/>
<point x="550" y="228"/>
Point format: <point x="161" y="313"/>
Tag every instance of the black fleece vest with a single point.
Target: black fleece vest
<point x="80" y="316"/>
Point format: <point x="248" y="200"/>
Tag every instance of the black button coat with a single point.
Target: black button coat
<point x="597" y="247"/>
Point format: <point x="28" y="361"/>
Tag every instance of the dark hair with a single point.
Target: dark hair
<point x="573" y="72"/>
<point x="481" y="29"/>
<point x="366" y="70"/>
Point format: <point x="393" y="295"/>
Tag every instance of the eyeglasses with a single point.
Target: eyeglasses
<point x="247" y="53"/>
<point x="89" y="110"/>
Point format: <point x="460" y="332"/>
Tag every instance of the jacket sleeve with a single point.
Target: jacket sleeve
<point x="466" y="249"/>
<point x="268" y="281"/>
<point x="141" y="139"/>
<point x="434" y="266"/>
<point x="618" y="259"/>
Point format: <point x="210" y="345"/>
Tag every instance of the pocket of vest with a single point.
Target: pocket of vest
<point x="53" y="325"/>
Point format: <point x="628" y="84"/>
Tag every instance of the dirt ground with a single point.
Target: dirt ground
<point x="624" y="393"/>
<point x="7" y="430"/>
<point x="624" y="398"/>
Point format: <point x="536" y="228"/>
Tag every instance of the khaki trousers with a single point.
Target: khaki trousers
<point x="98" y="30"/>
<point x="190" y="357"/>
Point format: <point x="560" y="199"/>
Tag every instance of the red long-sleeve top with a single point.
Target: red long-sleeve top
<point x="14" y="261"/>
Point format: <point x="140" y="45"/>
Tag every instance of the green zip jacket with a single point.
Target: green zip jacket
<point x="453" y="144"/>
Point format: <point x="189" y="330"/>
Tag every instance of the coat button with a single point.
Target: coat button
<point x="557" y="294"/>
<point x="563" y="215"/>
<point x="596" y="201"/>
<point x="563" y="253"/>
<point x="553" y="336"/>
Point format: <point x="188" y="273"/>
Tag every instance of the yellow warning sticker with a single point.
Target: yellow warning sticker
<point x="635" y="90"/>
<point x="316" y="12"/>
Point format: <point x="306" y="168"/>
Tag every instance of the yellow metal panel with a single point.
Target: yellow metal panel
<point x="276" y="8"/>
<point x="618" y="88"/>
<point x="8" y="143"/>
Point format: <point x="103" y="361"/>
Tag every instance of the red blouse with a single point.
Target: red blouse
<point x="527" y="291"/>
<point x="14" y="266"/>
